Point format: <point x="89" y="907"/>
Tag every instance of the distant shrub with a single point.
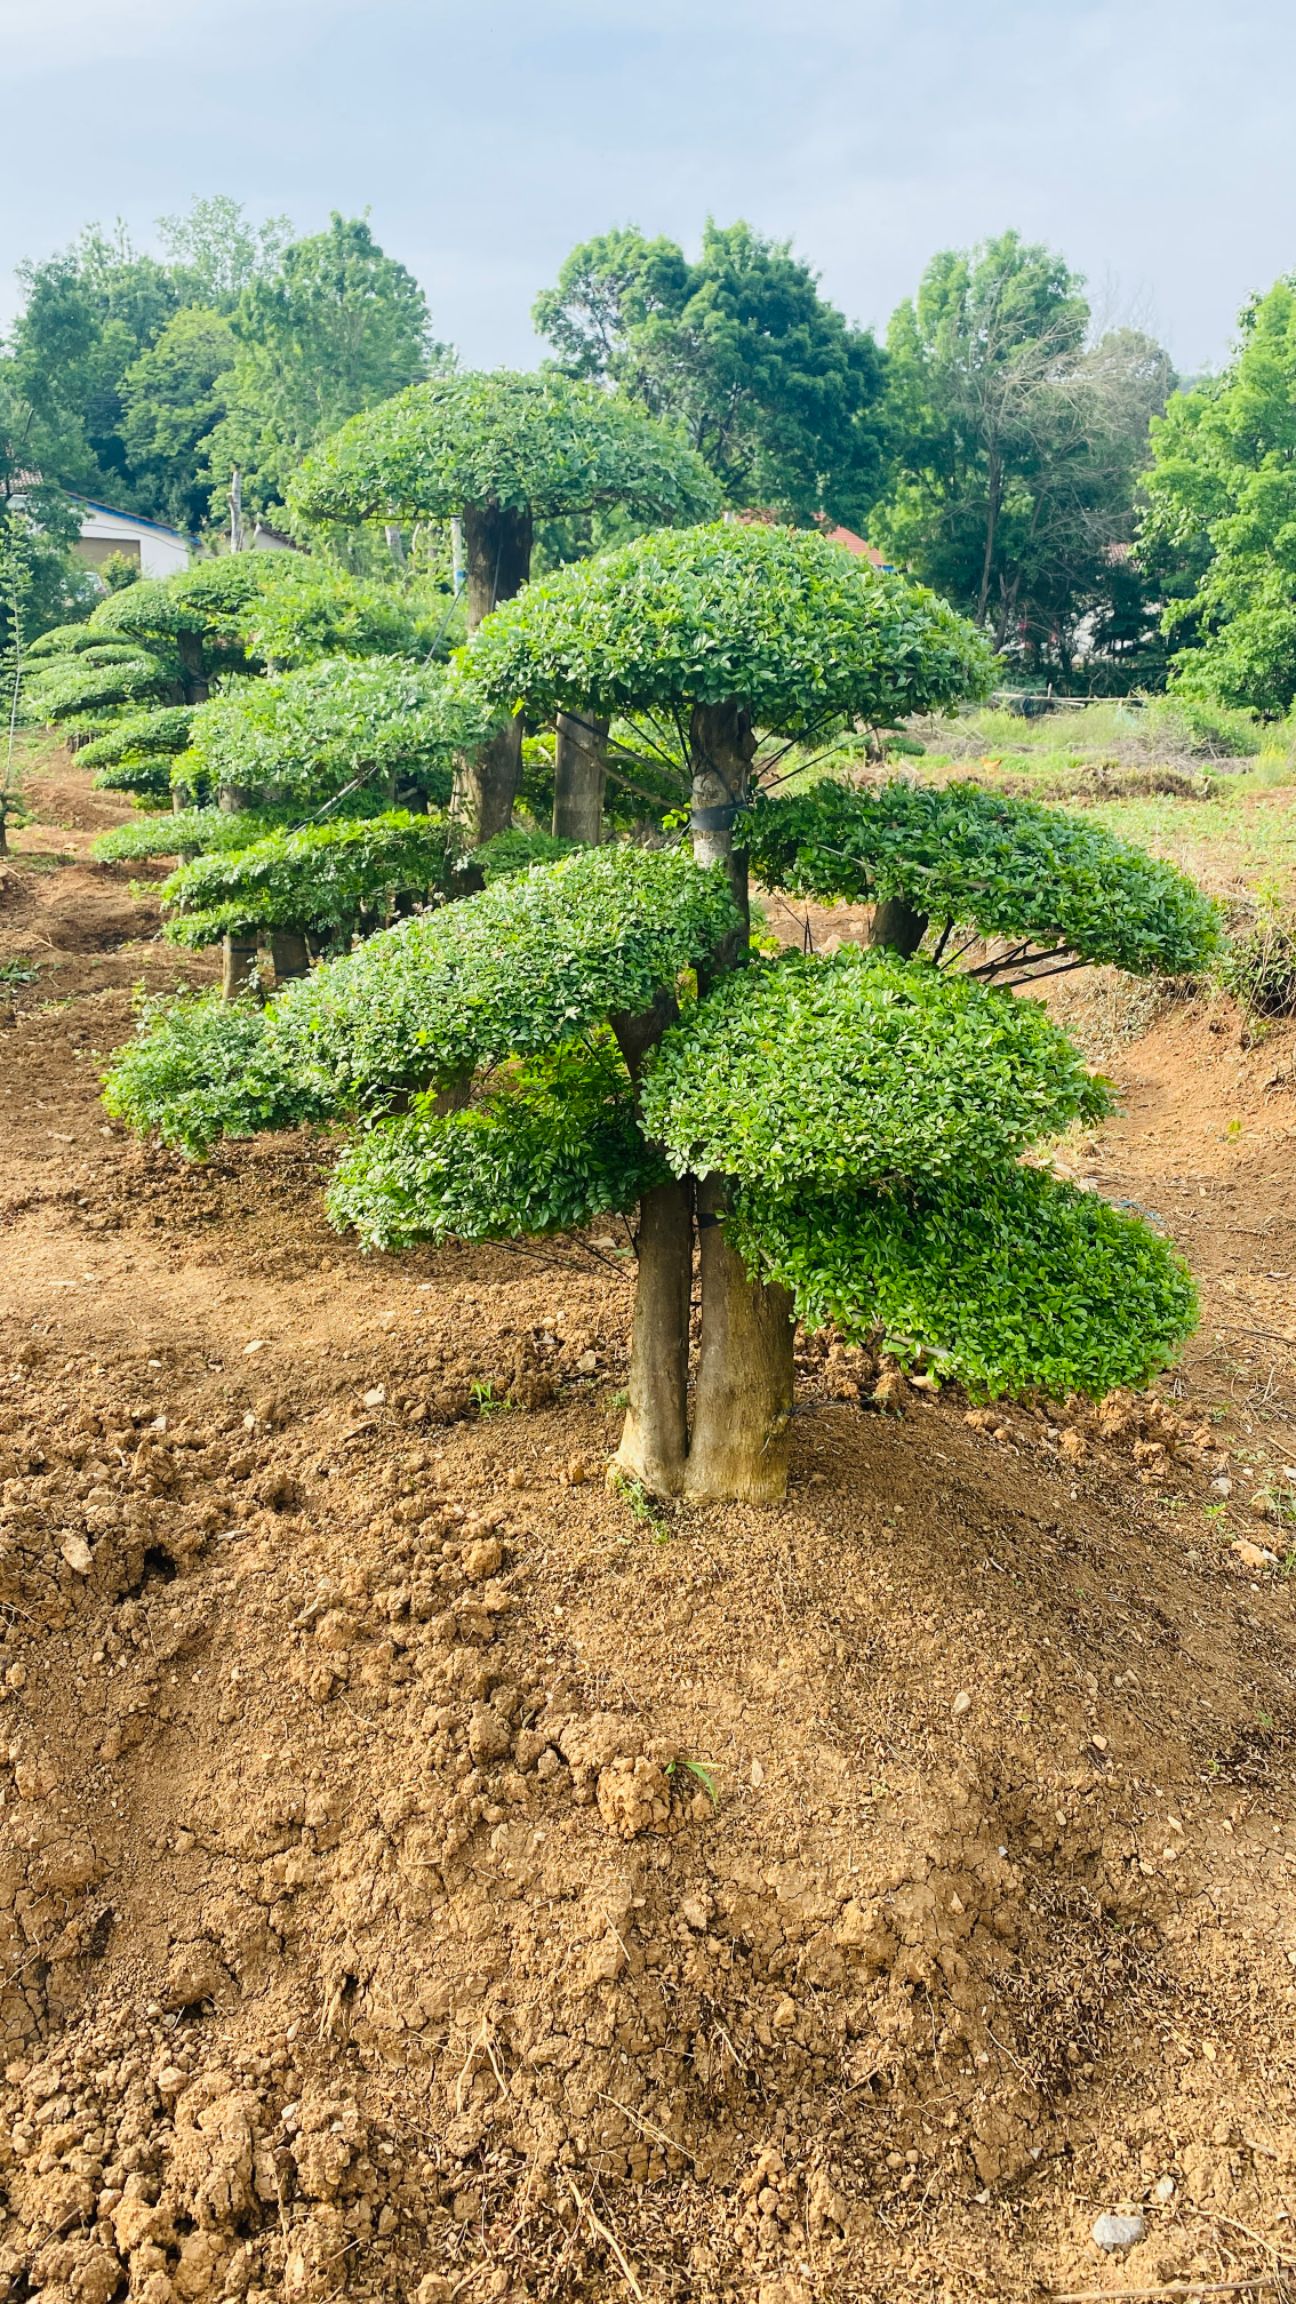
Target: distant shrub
<point x="1259" y="966"/>
<point x="1198" y="724"/>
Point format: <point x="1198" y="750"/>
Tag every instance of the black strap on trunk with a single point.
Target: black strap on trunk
<point x="715" y="819"/>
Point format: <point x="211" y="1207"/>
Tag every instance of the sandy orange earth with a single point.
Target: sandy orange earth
<point x="420" y="1877"/>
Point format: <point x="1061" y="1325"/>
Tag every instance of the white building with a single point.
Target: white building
<point x="156" y="551"/>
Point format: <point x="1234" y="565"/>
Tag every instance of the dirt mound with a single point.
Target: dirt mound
<point x="429" y="1875"/>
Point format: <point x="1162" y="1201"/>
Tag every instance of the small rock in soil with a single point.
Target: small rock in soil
<point x="1115" y="2233"/>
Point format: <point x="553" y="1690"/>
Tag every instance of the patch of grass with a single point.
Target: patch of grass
<point x="487" y="1401"/>
<point x="703" y="1775"/>
<point x="639" y="1502"/>
<point x="18" y="971"/>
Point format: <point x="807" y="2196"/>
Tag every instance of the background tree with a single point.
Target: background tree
<point x="217" y="252"/>
<point x="1016" y="448"/>
<point x="338" y="327"/>
<point x="37" y="529"/>
<point x="87" y="314"/>
<point x="1218" y="533"/>
<point x="144" y="383"/>
<point x="500" y="451"/>
<point x="173" y="397"/>
<point x="762" y="375"/>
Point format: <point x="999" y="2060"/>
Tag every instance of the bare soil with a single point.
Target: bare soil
<point x="423" y="1877"/>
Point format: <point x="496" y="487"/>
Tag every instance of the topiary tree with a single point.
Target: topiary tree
<point x="501" y="451"/>
<point x="298" y="891"/>
<point x="138" y="753"/>
<point x="339" y="734"/>
<point x="833" y="1138"/>
<point x="158" y="647"/>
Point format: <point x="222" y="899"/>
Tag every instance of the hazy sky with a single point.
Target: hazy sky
<point x="1151" y="141"/>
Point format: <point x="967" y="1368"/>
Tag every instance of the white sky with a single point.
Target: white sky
<point x="1153" y="142"/>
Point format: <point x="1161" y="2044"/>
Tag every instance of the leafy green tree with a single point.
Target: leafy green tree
<point x="217" y="253"/>
<point x="1218" y="533"/>
<point x="88" y="313"/>
<point x="765" y="379"/>
<point x="1016" y="448"/>
<point x="500" y="451"/>
<point x="43" y="584"/>
<point x="339" y="326"/>
<point x="838" y="1138"/>
<point x="173" y="397"/>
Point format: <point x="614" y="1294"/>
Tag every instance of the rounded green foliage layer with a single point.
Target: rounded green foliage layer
<point x="778" y="619"/>
<point x="211" y="597"/>
<point x="313" y="732"/>
<point x="315" y="880"/>
<point x="533" y="443"/>
<point x="859" y="1069"/>
<point x="524" y="966"/>
<point x="279" y="608"/>
<point x="62" y="640"/>
<point x="1008" y="867"/>
<point x="79" y="687"/>
<point x="1021" y="1283"/>
<point x="141" y="736"/>
<point x="182" y="832"/>
<point x="201" y="1069"/>
<point x="517" y="851"/>
<point x="553" y="1146"/>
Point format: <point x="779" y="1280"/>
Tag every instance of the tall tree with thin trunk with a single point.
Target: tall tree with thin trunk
<point x="499" y="452"/>
<point x="829" y="1138"/>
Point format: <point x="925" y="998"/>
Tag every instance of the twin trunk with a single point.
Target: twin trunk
<point x="497" y="549"/>
<point x="735" y="1445"/>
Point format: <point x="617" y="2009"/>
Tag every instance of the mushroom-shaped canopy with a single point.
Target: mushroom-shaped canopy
<point x="779" y="620"/>
<point x="542" y="445"/>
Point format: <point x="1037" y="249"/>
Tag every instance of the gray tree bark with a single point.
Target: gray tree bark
<point x="580" y="776"/>
<point x="497" y="545"/>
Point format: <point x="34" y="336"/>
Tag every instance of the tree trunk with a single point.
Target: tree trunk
<point x="896" y="925"/>
<point x="238" y="953"/>
<point x="654" y="1438"/>
<point x="288" y="954"/>
<point x="742" y="1406"/>
<point x="497" y="542"/>
<point x="485" y="786"/>
<point x="238" y="964"/>
<point x="497" y="546"/>
<point x="193" y="668"/>
<point x="580" y="773"/>
<point x="994" y="493"/>
<point x="721" y="747"/>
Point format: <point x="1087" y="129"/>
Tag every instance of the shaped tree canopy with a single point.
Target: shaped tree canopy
<point x="962" y="856"/>
<point x="501" y="451"/>
<point x="850" y="1125"/>
<point x="163" y="641"/>
<point x="538" y="446"/>
<point x="318" y="883"/>
<point x="779" y="623"/>
<point x="835" y="1138"/>
<point x="306" y="735"/>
